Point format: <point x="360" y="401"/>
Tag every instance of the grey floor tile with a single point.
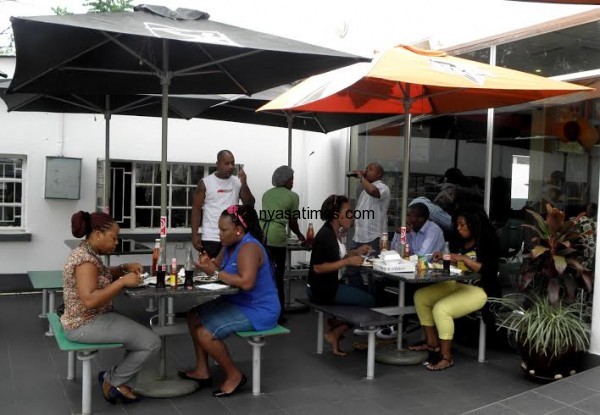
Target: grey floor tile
<point x="569" y="411"/>
<point x="566" y="391"/>
<point x="494" y="409"/>
<point x="245" y="403"/>
<point x="591" y="405"/>
<point x="589" y="379"/>
<point x="531" y="403"/>
<point x="293" y="397"/>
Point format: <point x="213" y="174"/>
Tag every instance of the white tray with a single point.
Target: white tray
<point x="404" y="266"/>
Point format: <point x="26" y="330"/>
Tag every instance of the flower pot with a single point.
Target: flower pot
<point x="542" y="368"/>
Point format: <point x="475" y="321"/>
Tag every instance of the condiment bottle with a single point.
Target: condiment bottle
<point x="173" y="276"/>
<point x="407" y="252"/>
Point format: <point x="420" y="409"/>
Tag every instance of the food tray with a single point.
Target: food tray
<point x="404" y="266"/>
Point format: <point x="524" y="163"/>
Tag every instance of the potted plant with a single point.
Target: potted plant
<point x="549" y="321"/>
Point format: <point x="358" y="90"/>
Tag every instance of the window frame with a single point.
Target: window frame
<point x="22" y="181"/>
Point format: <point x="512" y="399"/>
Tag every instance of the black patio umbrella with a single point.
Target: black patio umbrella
<point x="154" y="50"/>
<point x="243" y="109"/>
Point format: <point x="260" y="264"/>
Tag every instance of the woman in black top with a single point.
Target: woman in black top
<point x="328" y="258"/>
<point x="475" y="249"/>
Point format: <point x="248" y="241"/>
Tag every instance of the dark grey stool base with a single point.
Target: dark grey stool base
<point x="390" y="355"/>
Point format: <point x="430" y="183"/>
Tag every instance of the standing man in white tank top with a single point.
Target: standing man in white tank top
<point x="214" y="194"/>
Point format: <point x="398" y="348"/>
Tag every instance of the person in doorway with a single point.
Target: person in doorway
<point x="328" y="257"/>
<point x="213" y="194"/>
<point x="243" y="263"/>
<point x="89" y="288"/>
<point x="422" y="235"/>
<point x="371" y="223"/>
<point x="280" y="208"/>
<point x="475" y="249"/>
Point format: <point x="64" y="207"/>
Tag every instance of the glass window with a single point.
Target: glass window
<point x="135" y="193"/>
<point x="570" y="50"/>
<point x="11" y="192"/>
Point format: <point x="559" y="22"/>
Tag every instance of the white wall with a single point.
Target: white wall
<point x="260" y="149"/>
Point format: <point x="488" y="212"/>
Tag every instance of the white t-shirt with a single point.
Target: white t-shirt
<point x="220" y="194"/>
<point x="342" y="256"/>
<point x="373" y="214"/>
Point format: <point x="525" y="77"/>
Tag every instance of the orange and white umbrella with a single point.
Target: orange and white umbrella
<point x="410" y="81"/>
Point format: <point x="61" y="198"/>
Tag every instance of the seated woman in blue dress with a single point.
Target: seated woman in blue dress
<point x="328" y="258"/>
<point x="242" y="263"/>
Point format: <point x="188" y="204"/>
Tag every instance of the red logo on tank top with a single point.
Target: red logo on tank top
<point x="224" y="190"/>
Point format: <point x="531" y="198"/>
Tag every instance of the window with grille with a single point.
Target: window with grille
<point x="11" y="192"/>
<point x="135" y="192"/>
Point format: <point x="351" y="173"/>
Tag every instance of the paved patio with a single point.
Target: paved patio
<point x="295" y="380"/>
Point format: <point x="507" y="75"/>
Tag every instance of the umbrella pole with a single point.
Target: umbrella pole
<point x="106" y="196"/>
<point x="406" y="168"/>
<point x="289" y="118"/>
<point x="165" y="80"/>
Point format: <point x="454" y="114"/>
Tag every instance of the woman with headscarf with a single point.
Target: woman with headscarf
<point x="280" y="208"/>
<point x="89" y="288"/>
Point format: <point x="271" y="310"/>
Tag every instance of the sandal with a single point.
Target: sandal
<point x="439" y="366"/>
<point x="423" y="347"/>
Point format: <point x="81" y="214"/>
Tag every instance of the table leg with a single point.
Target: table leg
<point x="44" y="303"/>
<point x="170" y="311"/>
<point x="151" y="307"/>
<point x="395" y="355"/>
<point x="51" y="309"/>
<point x="153" y="385"/>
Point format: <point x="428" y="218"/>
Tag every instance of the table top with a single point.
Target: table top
<point x="46" y="279"/>
<point x="125" y="247"/>
<point x="297" y="247"/>
<point x="180" y="291"/>
<point x="428" y="276"/>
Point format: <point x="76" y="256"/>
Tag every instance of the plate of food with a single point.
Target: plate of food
<point x="206" y="278"/>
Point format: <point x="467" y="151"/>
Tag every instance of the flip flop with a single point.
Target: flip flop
<point x="436" y="368"/>
<point x="201" y="382"/>
<point x="423" y="347"/>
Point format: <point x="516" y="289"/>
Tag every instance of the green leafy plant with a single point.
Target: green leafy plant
<point x="555" y="265"/>
<point x="543" y="328"/>
<point x="102" y="6"/>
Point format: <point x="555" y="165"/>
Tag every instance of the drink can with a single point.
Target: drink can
<point x="403" y="235"/>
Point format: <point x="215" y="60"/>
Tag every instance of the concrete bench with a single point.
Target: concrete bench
<point x="361" y="317"/>
<point x="85" y="352"/>
<point x="256" y="340"/>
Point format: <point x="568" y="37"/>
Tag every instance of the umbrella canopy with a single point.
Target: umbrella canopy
<point x="409" y="81"/>
<point x="131" y="52"/>
<point x="154" y="50"/>
<point x="243" y="109"/>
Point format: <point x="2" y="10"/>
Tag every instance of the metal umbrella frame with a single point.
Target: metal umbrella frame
<point x="154" y="50"/>
<point x="410" y="81"/>
<point x="107" y="105"/>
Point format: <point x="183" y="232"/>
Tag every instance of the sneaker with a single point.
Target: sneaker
<point x="360" y="332"/>
<point x="387" y="333"/>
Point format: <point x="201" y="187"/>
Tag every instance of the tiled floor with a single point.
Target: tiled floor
<point x="295" y="380"/>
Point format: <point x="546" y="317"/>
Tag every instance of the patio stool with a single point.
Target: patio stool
<point x="85" y="352"/>
<point x="256" y="340"/>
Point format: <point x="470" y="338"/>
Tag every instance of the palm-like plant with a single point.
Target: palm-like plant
<point x="555" y="265"/>
<point x="543" y="328"/>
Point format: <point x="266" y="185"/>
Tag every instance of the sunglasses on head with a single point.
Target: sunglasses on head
<point x="233" y="211"/>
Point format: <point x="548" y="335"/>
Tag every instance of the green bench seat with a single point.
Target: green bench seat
<point x="256" y="340"/>
<point x="85" y="352"/>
